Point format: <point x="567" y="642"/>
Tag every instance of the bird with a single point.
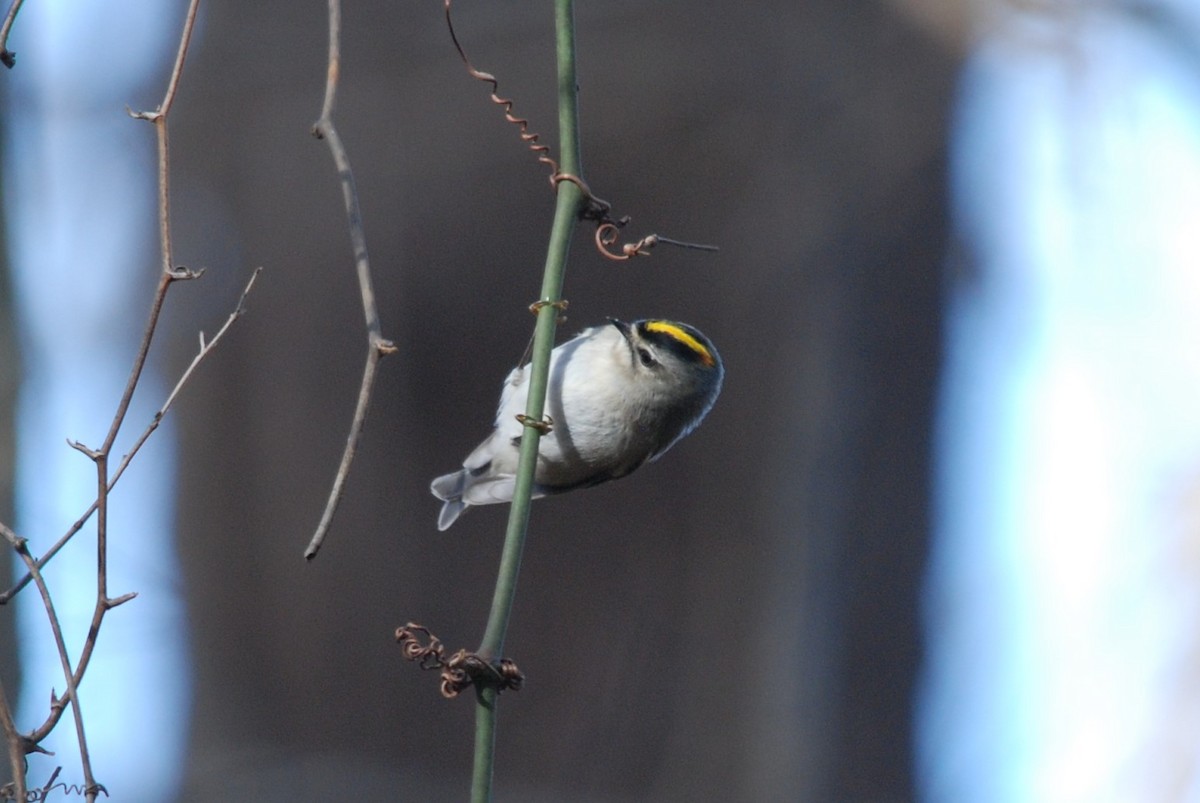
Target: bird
<point x="619" y="395"/>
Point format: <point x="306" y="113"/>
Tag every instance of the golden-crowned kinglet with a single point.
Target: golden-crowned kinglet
<point x="619" y="394"/>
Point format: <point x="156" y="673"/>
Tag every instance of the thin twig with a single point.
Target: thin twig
<point x="169" y="272"/>
<point x="377" y="346"/>
<point x="100" y="457"/>
<point x="343" y="472"/>
<point x="16" y="749"/>
<point x="22" y="549"/>
<point x="169" y="275"/>
<point x="206" y="348"/>
<point x="7" y="57"/>
<point x="49" y="784"/>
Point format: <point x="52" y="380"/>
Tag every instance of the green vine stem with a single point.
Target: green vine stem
<point x="566" y="213"/>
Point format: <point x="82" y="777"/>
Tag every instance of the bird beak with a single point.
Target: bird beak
<point x="625" y="329"/>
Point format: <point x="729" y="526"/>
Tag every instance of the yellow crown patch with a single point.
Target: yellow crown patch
<point x="682" y="335"/>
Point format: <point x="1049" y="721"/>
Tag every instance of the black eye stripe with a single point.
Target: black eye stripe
<point x="662" y="335"/>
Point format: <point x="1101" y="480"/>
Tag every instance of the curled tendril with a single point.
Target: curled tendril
<point x="594" y="209"/>
<point x="608" y="233"/>
<point x="544" y="426"/>
<point x="542" y="151"/>
<point x="462" y="669"/>
<point x="427" y="655"/>
<point x="560" y="305"/>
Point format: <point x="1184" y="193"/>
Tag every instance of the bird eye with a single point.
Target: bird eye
<point x="646" y="357"/>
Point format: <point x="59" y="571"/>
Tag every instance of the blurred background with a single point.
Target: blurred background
<point x="939" y="539"/>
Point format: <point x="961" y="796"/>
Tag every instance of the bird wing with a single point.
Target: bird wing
<point x="514" y="391"/>
<point x="500" y="445"/>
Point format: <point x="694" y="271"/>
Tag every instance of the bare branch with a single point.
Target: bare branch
<point x="49" y="784"/>
<point x="205" y="349"/>
<point x="7" y="57"/>
<point x="91" y="454"/>
<point x="169" y="272"/>
<point x="100" y="457"/>
<point x="16" y="749"/>
<point x="356" y="427"/>
<point x="121" y="600"/>
<point x="377" y="346"/>
<point x="22" y="549"/>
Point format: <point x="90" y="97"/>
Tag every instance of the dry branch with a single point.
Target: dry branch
<point x="7" y="57"/>
<point x="19" y="745"/>
<point x="377" y="346"/>
<point x="206" y="347"/>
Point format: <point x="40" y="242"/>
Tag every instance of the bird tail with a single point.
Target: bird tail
<point x="449" y="488"/>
